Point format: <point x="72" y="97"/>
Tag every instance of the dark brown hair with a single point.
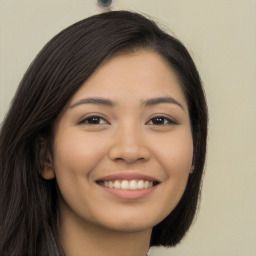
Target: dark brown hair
<point x="29" y="208"/>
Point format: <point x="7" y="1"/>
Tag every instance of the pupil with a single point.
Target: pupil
<point x="94" y="120"/>
<point x="158" y="120"/>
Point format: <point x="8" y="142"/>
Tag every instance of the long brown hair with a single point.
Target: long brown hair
<point x="29" y="204"/>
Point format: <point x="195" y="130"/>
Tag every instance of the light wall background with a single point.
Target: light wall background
<point x="221" y="36"/>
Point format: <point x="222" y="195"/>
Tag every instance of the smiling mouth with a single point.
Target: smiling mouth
<point x="128" y="184"/>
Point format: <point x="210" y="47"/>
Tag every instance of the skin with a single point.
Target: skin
<point x="126" y="137"/>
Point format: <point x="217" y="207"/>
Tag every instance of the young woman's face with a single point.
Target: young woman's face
<point x="128" y="126"/>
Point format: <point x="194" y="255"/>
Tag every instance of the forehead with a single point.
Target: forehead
<point x="137" y="75"/>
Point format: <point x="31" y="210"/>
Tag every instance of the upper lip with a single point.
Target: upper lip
<point x="127" y="176"/>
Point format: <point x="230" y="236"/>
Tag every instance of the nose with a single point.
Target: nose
<point x="129" y="146"/>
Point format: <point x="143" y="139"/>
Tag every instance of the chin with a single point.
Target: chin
<point x="128" y="224"/>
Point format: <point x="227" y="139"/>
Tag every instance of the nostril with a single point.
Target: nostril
<point x="127" y="147"/>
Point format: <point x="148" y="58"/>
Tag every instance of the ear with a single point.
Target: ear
<point x="193" y="163"/>
<point x="192" y="169"/>
<point x="46" y="160"/>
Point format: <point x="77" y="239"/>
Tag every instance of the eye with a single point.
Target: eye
<point x="94" y="120"/>
<point x="161" y="120"/>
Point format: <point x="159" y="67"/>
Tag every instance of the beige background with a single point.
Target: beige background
<point x="221" y="36"/>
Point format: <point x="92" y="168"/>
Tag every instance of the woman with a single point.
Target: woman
<point x="103" y="149"/>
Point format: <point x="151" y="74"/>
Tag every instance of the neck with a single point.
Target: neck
<point x="80" y="238"/>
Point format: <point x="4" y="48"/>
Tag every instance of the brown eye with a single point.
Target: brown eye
<point x="94" y="120"/>
<point x="161" y="120"/>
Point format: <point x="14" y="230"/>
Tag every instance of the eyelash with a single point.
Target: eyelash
<point x="164" y="121"/>
<point x="97" y="120"/>
<point x="93" y="119"/>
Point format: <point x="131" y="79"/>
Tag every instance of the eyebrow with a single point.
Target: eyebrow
<point x="110" y="103"/>
<point x="159" y="100"/>
<point x="96" y="101"/>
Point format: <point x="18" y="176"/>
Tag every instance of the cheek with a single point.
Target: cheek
<point x="76" y="153"/>
<point x="176" y="153"/>
<point x="75" y="157"/>
<point x="175" y="156"/>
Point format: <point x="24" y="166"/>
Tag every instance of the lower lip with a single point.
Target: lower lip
<point x="129" y="194"/>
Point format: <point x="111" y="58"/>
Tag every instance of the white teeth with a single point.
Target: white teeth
<point x="117" y="184"/>
<point x="128" y="185"/>
<point x="110" y="184"/>
<point x="140" y="184"/>
<point x="125" y="184"/>
<point x="133" y="184"/>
